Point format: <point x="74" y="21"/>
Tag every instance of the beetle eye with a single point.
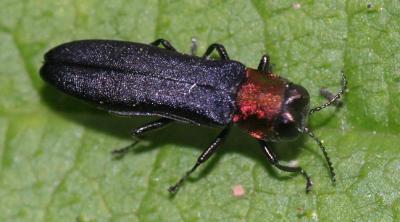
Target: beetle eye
<point x="298" y="104"/>
<point x="285" y="126"/>
<point x="297" y="98"/>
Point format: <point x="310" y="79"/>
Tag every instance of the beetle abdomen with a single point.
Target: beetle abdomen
<point x="136" y="79"/>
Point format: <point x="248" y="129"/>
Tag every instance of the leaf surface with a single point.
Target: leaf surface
<point x="55" y="162"/>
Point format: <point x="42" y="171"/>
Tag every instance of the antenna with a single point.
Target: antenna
<point x="334" y="98"/>
<point x="323" y="149"/>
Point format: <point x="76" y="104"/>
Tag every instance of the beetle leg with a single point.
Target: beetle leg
<point x="272" y="158"/>
<point x="207" y="153"/>
<point x="167" y="45"/>
<point x="264" y="65"/>
<point x="220" y="49"/>
<point x="138" y="132"/>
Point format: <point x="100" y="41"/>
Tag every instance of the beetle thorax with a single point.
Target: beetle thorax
<point x="270" y="107"/>
<point x="259" y="101"/>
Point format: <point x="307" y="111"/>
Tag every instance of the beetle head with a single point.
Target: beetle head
<point x="293" y="114"/>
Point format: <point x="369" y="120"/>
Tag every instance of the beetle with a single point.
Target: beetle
<point x="129" y="79"/>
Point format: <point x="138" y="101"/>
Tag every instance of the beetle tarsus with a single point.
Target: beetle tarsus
<point x="273" y="159"/>
<point x="138" y="133"/>
<point x="121" y="152"/>
<point x="167" y="45"/>
<point x="175" y="188"/>
<point x="207" y="153"/>
<point x="223" y="54"/>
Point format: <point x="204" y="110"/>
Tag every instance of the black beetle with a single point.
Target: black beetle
<point x="130" y="79"/>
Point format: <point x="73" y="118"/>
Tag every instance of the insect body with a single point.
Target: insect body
<point x="132" y="79"/>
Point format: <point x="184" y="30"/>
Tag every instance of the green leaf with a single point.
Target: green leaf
<point x="55" y="162"/>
